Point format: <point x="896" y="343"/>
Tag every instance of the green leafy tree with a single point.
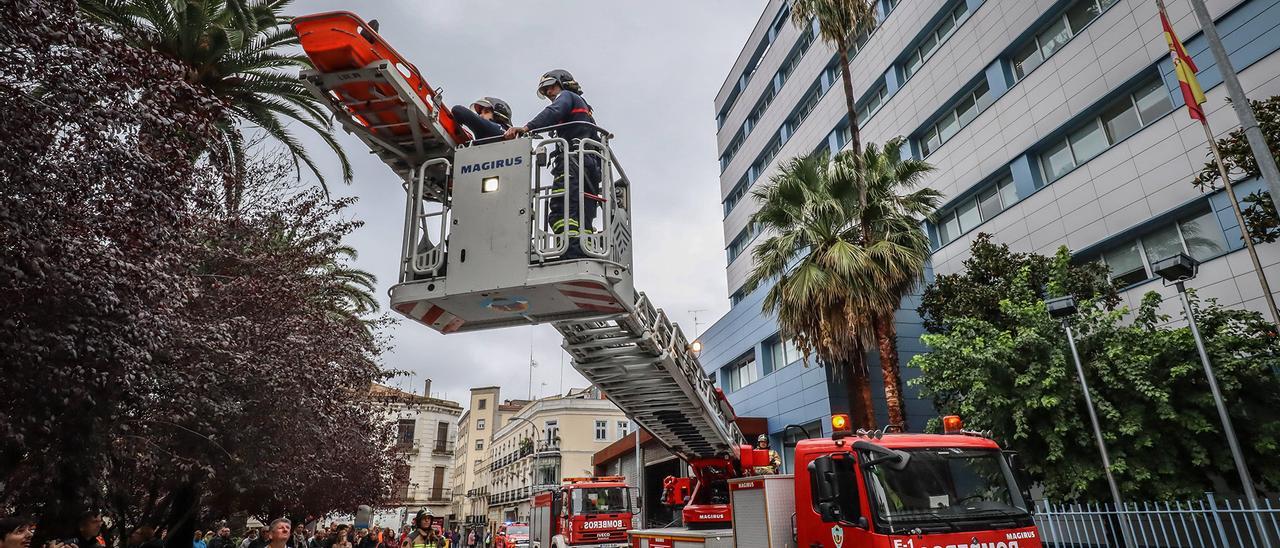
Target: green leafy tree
<point x="236" y="50"/>
<point x="844" y="246"/>
<point x="1008" y="368"/>
<point x="990" y="274"/>
<point x="1260" y="211"/>
<point x="840" y="22"/>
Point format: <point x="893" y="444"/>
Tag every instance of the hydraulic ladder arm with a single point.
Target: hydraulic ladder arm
<point x="490" y="200"/>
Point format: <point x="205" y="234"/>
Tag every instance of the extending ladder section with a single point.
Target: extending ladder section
<point x="642" y="362"/>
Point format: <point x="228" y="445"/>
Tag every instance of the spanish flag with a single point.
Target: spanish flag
<point x="1186" y="70"/>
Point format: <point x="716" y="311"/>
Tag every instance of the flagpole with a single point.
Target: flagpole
<point x="1194" y="97"/>
<point x="1244" y="229"/>
<point x="1244" y="110"/>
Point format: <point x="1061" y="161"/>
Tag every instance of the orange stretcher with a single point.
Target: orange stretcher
<point x="375" y="92"/>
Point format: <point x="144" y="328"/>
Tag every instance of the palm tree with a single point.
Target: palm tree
<point x="840" y="22"/>
<point x="233" y="49"/>
<point x="348" y="290"/>
<point x="845" y="244"/>
<point x="890" y="225"/>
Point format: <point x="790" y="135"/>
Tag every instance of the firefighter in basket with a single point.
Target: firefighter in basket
<point x="567" y="105"/>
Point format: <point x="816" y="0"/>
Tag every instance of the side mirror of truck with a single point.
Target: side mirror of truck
<point x="1019" y="468"/>
<point x="824" y="488"/>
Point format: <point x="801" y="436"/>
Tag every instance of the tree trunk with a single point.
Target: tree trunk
<point x="887" y="340"/>
<point x="184" y="511"/>
<point x="855" y="139"/>
<point x="857" y="386"/>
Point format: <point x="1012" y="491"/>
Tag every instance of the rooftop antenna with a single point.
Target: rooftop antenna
<point x="696" y="323"/>
<point x="532" y="364"/>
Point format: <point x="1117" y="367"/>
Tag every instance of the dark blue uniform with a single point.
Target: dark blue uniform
<point x="481" y="128"/>
<point x="571" y="107"/>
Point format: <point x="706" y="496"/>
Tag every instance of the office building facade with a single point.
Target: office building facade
<point x="1049" y="122"/>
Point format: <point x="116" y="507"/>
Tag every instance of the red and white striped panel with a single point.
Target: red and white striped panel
<point x="432" y="315"/>
<point x="590" y="296"/>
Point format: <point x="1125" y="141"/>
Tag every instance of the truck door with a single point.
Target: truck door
<point x="831" y="510"/>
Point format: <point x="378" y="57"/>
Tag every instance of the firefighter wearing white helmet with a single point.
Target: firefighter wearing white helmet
<point x="487" y="118"/>
<point x="567" y="105"/>
<point x="775" y="462"/>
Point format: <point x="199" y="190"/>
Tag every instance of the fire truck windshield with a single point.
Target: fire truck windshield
<point x="600" y="500"/>
<point x="954" y="488"/>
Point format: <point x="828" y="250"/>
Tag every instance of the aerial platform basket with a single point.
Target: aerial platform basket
<point x="378" y="95"/>
<point x="485" y="258"/>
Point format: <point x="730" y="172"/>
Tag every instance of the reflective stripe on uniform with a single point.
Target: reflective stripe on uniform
<point x="559" y="224"/>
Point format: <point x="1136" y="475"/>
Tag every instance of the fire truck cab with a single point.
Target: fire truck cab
<point x="876" y="490"/>
<point x="582" y="512"/>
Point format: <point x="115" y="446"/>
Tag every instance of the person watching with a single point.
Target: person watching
<point x="279" y="533"/>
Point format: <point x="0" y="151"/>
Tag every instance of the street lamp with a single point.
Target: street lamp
<point x="1175" y="270"/>
<point x="1063" y="308"/>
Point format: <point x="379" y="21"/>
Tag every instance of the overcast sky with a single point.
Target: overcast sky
<point x="650" y="69"/>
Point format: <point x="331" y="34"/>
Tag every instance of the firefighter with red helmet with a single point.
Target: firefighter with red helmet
<point x="567" y="106"/>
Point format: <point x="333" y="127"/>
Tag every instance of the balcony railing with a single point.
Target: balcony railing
<point x="406" y="494"/>
<point x="510" y="495"/>
<point x="549" y="446"/>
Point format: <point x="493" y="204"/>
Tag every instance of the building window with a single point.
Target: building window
<point x="624" y="428"/>
<point x="743" y="240"/>
<point x="442" y="436"/>
<point x="737" y="297"/>
<point x="740" y="374"/>
<point x="875" y="99"/>
<point x="481" y="404"/>
<point x="551" y="430"/>
<point x="1130" y="261"/>
<point x="479" y="445"/>
<point x="479" y="424"/>
<point x="802" y="110"/>
<point x="935" y="37"/>
<point x="1055" y="33"/>
<point x="792" y="436"/>
<point x="975" y="210"/>
<point x="1120" y="119"/>
<point x="602" y="430"/>
<point x="404" y="431"/>
<point x="964" y="111"/>
<point x="732" y="149"/>
<point x="783" y="352"/>
<point x="739" y="191"/>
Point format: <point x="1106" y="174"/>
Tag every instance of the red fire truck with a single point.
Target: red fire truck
<point x="512" y="535"/>
<point x="505" y="265"/>
<point x="872" y="489"/>
<point x="582" y="512"/>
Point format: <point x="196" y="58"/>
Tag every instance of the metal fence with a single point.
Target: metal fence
<point x="1209" y="522"/>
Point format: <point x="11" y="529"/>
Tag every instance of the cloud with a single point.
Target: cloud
<point x="651" y="71"/>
